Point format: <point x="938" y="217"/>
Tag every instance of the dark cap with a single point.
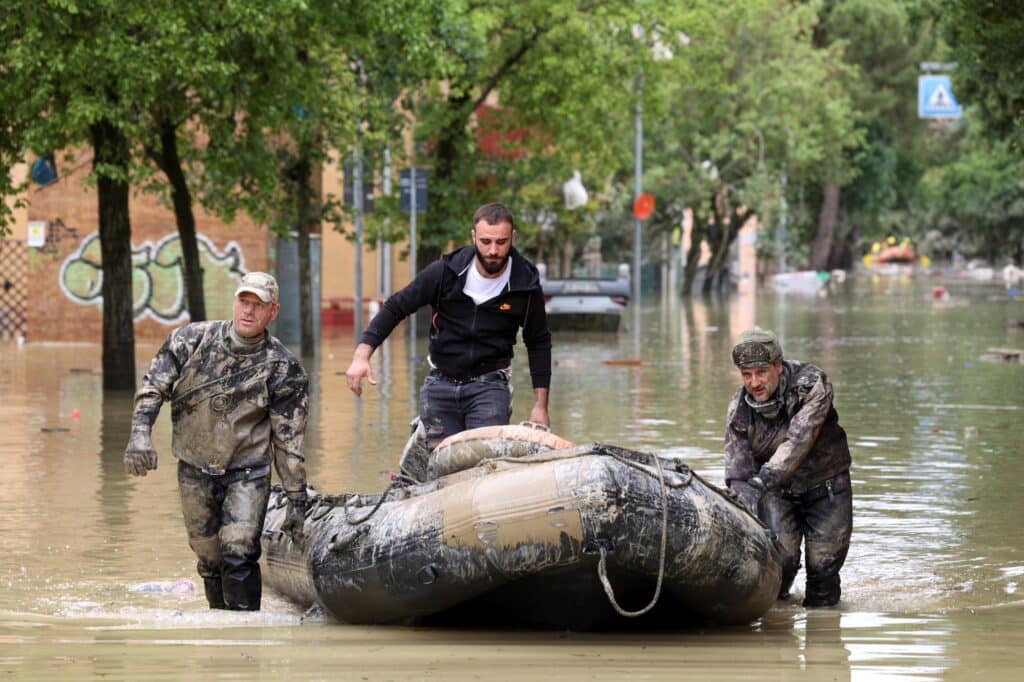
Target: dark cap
<point x="756" y="348"/>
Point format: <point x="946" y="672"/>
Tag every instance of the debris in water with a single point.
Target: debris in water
<point x="182" y="587"/>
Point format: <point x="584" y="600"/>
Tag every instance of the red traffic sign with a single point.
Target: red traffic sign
<point x="643" y="207"/>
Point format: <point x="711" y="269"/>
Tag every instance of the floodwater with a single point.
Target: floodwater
<point x="96" y="573"/>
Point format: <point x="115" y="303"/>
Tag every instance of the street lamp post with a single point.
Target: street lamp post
<point x="357" y="193"/>
<point x="638" y="174"/>
<point x="783" y="217"/>
<point x="638" y="182"/>
<point x="660" y="51"/>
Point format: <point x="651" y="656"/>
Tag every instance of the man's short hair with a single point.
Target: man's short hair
<point x="756" y="348"/>
<point x="494" y="214"/>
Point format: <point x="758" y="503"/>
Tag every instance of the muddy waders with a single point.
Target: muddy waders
<point x="224" y="518"/>
<point x="823" y="518"/>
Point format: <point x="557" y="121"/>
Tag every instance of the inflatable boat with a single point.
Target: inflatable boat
<point x="519" y="529"/>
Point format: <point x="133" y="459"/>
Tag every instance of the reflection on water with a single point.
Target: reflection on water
<point x="932" y="587"/>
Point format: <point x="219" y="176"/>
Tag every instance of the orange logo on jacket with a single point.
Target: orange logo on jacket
<point x="505" y="306"/>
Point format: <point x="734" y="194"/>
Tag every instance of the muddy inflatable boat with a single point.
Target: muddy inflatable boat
<point x="523" y="530"/>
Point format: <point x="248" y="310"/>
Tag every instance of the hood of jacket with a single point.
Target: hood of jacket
<point x="524" y="276"/>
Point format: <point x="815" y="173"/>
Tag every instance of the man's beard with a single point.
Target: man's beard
<point x="489" y="267"/>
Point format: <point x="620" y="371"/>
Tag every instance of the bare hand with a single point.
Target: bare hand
<point x="539" y="415"/>
<point x="354" y="375"/>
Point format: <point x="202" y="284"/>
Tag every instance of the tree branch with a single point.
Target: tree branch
<point x="510" y="61"/>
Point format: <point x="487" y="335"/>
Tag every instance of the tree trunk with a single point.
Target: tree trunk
<point x="304" y="202"/>
<point x="111" y="151"/>
<point x="717" y="231"/>
<point x="718" y="270"/>
<point x="447" y="191"/>
<point x="697" y="234"/>
<point x="170" y="163"/>
<point x="827" y="220"/>
<point x="726" y="232"/>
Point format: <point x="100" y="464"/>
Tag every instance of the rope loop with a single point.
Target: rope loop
<point x="602" y="570"/>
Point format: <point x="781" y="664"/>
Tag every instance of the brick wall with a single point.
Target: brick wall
<point x="64" y="275"/>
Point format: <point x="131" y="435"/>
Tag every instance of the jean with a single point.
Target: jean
<point x="449" y="406"/>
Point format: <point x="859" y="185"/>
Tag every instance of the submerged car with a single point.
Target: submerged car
<point x="586" y="303"/>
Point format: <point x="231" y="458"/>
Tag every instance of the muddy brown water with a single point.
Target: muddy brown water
<point x="97" y="578"/>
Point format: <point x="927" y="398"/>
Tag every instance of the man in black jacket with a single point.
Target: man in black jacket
<point x="480" y="296"/>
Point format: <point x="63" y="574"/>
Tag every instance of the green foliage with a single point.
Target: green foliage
<point x="882" y="41"/>
<point x="741" y="101"/>
<point x="562" y="73"/>
<point x="754" y="102"/>
<point x="978" y="199"/>
<point x="244" y="85"/>
<point x="986" y="39"/>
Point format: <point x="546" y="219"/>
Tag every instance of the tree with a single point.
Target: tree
<point x="985" y="37"/>
<point x="977" y="200"/>
<point x="872" y="188"/>
<point x="332" y="84"/>
<point x="553" y="81"/>
<point x="75" y="74"/>
<point x="752" y="102"/>
<point x="236" y="105"/>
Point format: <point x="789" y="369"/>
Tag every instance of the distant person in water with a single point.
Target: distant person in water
<point x="1011" y="274"/>
<point x="787" y="458"/>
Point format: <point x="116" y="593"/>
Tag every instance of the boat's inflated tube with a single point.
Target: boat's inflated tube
<point x="468" y="448"/>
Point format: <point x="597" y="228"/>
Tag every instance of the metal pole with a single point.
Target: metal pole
<point x="783" y="207"/>
<point x="383" y="245"/>
<point x="637" y="191"/>
<point x="412" y="247"/>
<point x="413" y="393"/>
<point x="357" y="192"/>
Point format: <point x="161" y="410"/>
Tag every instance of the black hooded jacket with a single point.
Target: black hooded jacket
<point x="466" y="339"/>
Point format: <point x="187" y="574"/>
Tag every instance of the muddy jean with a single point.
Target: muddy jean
<point x="224" y="518"/>
<point x="823" y="519"/>
<point x="449" y="406"/>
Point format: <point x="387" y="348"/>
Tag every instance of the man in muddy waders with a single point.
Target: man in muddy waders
<point x="787" y="459"/>
<point x="480" y="296"/>
<point x="238" y="401"/>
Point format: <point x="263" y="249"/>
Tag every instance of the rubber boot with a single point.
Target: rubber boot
<point x="214" y="592"/>
<point x="822" y="592"/>
<point x="242" y="585"/>
<point x="789" y="571"/>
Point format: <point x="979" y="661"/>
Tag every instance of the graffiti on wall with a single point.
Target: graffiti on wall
<point x="56" y="232"/>
<point x="158" y="278"/>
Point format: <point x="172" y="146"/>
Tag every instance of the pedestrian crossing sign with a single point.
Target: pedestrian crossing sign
<point x="935" y="98"/>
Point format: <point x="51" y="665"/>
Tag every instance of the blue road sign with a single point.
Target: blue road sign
<point x="935" y="98"/>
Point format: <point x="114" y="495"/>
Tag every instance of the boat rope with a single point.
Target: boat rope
<point x="596" y="449"/>
<point x="383" y="498"/>
<point x="602" y="571"/>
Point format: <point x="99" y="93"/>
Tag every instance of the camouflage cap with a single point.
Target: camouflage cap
<point x="756" y="348"/>
<point x="261" y="284"/>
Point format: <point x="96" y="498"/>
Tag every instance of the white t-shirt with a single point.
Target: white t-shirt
<point x="480" y="288"/>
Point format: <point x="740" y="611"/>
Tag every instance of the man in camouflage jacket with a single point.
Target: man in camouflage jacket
<point x="238" y="401"/>
<point x="787" y="458"/>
